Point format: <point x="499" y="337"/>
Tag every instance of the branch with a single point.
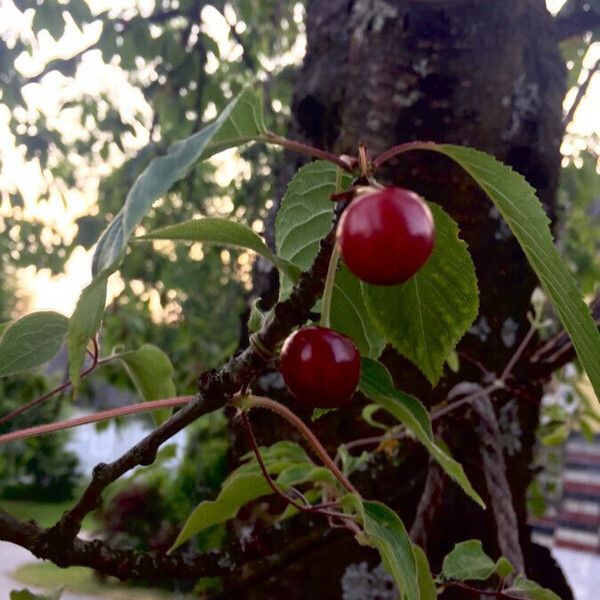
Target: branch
<point x="557" y="351"/>
<point x="581" y="92"/>
<point x="215" y="388"/>
<point x="131" y="564"/>
<point x="103" y="415"/>
<point x="576" y="24"/>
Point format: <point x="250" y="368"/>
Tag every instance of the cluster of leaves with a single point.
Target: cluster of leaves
<point x="442" y="297"/>
<point x="167" y="56"/>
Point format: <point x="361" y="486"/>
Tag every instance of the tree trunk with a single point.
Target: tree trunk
<point x="482" y="74"/>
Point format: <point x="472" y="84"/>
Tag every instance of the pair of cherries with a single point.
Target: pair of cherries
<point x="384" y="238"/>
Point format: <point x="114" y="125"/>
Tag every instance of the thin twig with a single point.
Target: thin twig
<point x="581" y="92"/>
<point x="263" y="468"/>
<point x="510" y="365"/>
<point x="477" y="592"/>
<point x="104" y="415"/>
<point x="62" y="387"/>
<point x="308" y="150"/>
<point x="401" y="149"/>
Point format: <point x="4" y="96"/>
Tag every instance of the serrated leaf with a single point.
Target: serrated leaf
<point x="240" y="122"/>
<point x="529" y="590"/>
<point x="31" y="341"/>
<point x="376" y="383"/>
<point x="84" y="324"/>
<point x="220" y="231"/>
<point x="305" y="215"/>
<point x="467" y="561"/>
<point x="425" y="317"/>
<point x="387" y="533"/>
<point x="303" y="219"/>
<point x="524" y="214"/>
<point x="427" y="588"/>
<point x="151" y="371"/>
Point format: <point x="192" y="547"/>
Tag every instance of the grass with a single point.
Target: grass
<point x="45" y="514"/>
<point x="81" y="580"/>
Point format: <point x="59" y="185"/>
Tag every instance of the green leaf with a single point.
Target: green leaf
<point x="536" y="499"/>
<point x="524" y="214"/>
<point x="468" y="561"/>
<point x="303" y="219"/>
<point x="84" y="324"/>
<point x="219" y="231"/>
<point x="387" y="533"/>
<point x="427" y="588"/>
<point x="236" y="492"/>
<point x="305" y="215"/>
<point x="239" y="123"/>
<point x="31" y="341"/>
<point x="246" y="484"/>
<point x="349" y="315"/>
<point x="504" y="567"/>
<point x="525" y="588"/>
<point x="425" y="317"/>
<point x="376" y="383"/>
<point x="152" y="374"/>
<point x="303" y="472"/>
<point x="3" y="326"/>
<point x="554" y="434"/>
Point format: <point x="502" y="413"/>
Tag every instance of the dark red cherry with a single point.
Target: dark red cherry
<point x="320" y="367"/>
<point x="386" y="236"/>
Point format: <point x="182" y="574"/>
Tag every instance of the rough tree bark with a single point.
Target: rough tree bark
<point x="483" y="74"/>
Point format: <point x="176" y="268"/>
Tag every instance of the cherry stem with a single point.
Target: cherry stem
<point x="252" y="401"/>
<point x="328" y="287"/>
<point x="363" y="160"/>
<point x="331" y="269"/>
<point x="263" y="468"/>
<point x="308" y="150"/>
<point x="63" y="386"/>
<point x="93" y="418"/>
<point x="400" y="149"/>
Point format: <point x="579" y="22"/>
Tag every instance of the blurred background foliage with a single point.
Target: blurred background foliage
<point x="90" y="92"/>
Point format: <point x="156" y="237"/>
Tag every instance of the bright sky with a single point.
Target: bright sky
<point x="94" y="77"/>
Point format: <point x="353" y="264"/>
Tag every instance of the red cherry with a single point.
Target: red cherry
<point x="386" y="236"/>
<point x="320" y="367"/>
